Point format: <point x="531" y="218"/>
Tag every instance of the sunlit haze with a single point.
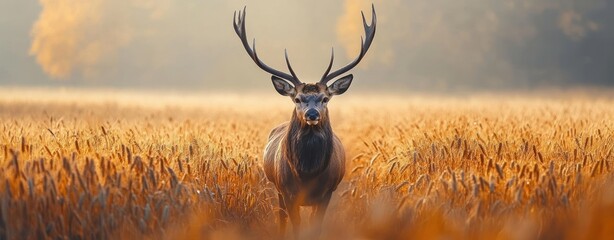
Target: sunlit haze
<point x="420" y="45"/>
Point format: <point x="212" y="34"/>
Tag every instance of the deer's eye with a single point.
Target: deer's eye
<point x="296" y="100"/>
<point x="325" y="100"/>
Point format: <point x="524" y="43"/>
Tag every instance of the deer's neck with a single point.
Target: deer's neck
<point x="309" y="148"/>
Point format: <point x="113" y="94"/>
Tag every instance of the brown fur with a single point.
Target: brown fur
<point x="311" y="88"/>
<point x="306" y="163"/>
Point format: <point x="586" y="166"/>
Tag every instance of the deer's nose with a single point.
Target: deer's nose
<point x="312" y="115"/>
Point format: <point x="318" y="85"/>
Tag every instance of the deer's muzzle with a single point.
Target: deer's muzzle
<point x="312" y="116"/>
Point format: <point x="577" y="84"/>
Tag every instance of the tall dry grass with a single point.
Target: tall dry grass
<point x="506" y="167"/>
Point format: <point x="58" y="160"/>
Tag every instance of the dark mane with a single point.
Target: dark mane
<point x="308" y="148"/>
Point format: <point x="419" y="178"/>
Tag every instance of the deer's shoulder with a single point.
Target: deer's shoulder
<point x="281" y="128"/>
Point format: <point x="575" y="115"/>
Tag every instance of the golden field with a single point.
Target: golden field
<point x="105" y="164"/>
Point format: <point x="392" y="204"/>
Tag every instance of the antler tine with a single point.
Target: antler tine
<point x="330" y="65"/>
<point x="364" y="47"/>
<point x="289" y="66"/>
<point x="239" y="26"/>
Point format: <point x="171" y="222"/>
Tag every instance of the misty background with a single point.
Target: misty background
<point x="420" y="45"/>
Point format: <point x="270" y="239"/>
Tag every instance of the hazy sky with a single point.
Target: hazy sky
<point x="420" y="45"/>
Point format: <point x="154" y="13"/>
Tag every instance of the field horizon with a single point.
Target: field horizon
<point x="123" y="164"/>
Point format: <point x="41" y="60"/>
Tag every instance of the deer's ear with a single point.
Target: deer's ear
<point x="283" y="87"/>
<point x="341" y="85"/>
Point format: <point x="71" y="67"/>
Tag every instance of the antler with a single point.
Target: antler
<point x="364" y="47"/>
<point x="240" y="30"/>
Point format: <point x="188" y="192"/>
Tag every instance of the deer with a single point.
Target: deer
<point x="303" y="157"/>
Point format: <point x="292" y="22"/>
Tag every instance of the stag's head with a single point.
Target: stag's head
<point x="311" y="99"/>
